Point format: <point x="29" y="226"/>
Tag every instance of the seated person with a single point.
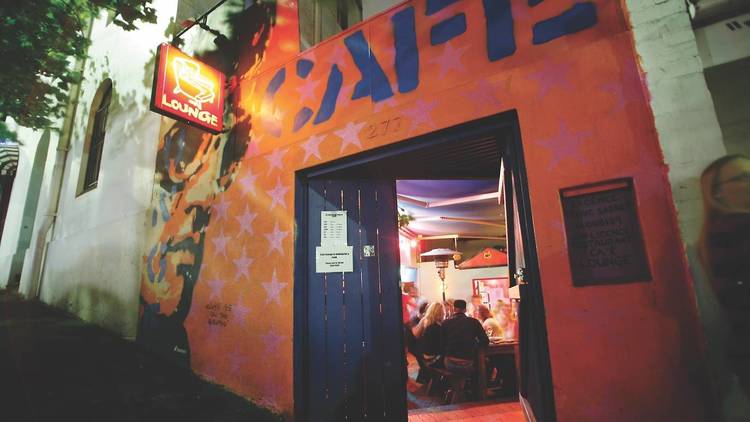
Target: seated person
<point x="428" y="333"/>
<point x="489" y="323"/>
<point x="461" y="337"/>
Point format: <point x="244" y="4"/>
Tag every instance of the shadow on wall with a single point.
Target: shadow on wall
<point x="193" y="169"/>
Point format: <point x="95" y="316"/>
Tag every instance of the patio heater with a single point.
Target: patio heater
<point x="442" y="256"/>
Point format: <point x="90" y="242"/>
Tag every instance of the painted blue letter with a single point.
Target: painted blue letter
<point x="328" y="105"/>
<point x="579" y="17"/>
<point x="407" y="52"/>
<point x="501" y="41"/>
<point x="373" y="82"/>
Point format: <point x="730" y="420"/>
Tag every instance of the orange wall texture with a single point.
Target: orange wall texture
<point x="218" y="279"/>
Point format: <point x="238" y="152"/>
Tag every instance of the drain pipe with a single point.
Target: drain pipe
<point x="46" y="231"/>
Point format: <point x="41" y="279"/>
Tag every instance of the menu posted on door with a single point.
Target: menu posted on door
<point x="333" y="255"/>
<point x="605" y="242"/>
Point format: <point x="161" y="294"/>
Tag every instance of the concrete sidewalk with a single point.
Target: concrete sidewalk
<point x="54" y="367"/>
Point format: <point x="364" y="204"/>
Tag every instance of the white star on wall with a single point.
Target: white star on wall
<point x="349" y="134"/>
<point x="247" y="182"/>
<point x="240" y="311"/>
<point x="236" y="360"/>
<point x="272" y="340"/>
<point x="277" y="195"/>
<point x="307" y="90"/>
<point x="273" y="289"/>
<point x="419" y="113"/>
<point x="245" y="220"/>
<point x="243" y="263"/>
<point x="275" y="159"/>
<point x="312" y="147"/>
<point x="275" y="238"/>
<point x="216" y="285"/>
<point x="450" y="60"/>
<point x="220" y="208"/>
<point x="220" y="243"/>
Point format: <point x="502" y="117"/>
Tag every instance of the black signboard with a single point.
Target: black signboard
<point x="605" y="242"/>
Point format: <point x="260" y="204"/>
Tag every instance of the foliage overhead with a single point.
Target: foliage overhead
<point x="40" y="40"/>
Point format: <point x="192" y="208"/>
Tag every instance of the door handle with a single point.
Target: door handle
<point x="520" y="276"/>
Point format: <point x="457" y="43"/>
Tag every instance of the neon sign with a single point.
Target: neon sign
<point x="188" y="90"/>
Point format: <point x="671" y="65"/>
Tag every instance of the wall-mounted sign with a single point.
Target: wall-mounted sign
<point x="188" y="90"/>
<point x="333" y="255"/>
<point x="605" y="243"/>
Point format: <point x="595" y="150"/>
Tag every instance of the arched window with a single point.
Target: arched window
<point x="97" y="128"/>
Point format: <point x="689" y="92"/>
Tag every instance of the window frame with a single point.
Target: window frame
<point x="96" y="132"/>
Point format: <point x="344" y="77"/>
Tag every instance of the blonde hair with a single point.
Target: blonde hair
<point x="435" y="314"/>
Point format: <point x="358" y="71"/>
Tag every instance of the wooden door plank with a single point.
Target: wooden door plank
<point x="316" y="316"/>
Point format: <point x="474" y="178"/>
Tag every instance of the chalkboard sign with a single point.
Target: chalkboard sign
<point x="605" y="242"/>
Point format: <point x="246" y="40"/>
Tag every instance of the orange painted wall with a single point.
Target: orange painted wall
<point x="618" y="353"/>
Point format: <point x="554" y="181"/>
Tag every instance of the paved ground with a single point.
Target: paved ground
<point x="54" y="367"/>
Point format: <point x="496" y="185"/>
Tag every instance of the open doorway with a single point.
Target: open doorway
<point x="350" y="336"/>
<point x="452" y="238"/>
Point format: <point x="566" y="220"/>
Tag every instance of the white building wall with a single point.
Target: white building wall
<point x="29" y="140"/>
<point x="690" y="139"/>
<point x="93" y="260"/>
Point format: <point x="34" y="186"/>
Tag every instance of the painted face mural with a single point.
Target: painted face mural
<point x="193" y="169"/>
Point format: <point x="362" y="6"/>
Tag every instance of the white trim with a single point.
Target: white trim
<point x="526" y="406"/>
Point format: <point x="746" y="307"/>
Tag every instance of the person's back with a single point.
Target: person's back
<point x="461" y="335"/>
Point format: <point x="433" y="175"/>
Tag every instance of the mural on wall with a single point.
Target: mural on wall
<point x="567" y="68"/>
<point x="193" y="169"/>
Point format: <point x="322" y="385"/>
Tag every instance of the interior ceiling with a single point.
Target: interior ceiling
<point x="468" y="208"/>
<point x="450" y="170"/>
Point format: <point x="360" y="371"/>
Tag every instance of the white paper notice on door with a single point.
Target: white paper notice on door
<point x="333" y="228"/>
<point x="334" y="259"/>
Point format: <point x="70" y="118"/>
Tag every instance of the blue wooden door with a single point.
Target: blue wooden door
<point x="354" y="366"/>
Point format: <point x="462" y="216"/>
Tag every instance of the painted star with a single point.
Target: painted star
<point x="275" y="159"/>
<point x="220" y="208"/>
<point x="553" y="75"/>
<point x="307" y="90"/>
<point x="419" y="113"/>
<point x="240" y="311"/>
<point x="482" y="97"/>
<point x="247" y="182"/>
<point x="627" y="89"/>
<point x="450" y="60"/>
<point x="245" y="220"/>
<point x="275" y="238"/>
<point x="565" y="144"/>
<point x="277" y="194"/>
<point x="243" y="263"/>
<point x="213" y="332"/>
<point x="220" y="243"/>
<point x="216" y="285"/>
<point x="349" y="135"/>
<point x="236" y="360"/>
<point x="272" y="340"/>
<point x="273" y="289"/>
<point x="312" y="147"/>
